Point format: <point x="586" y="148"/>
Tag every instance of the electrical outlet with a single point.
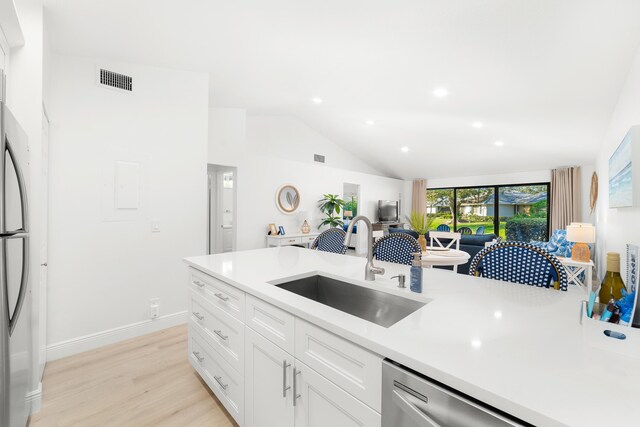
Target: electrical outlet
<point x="154" y="304"/>
<point x="155" y="225"/>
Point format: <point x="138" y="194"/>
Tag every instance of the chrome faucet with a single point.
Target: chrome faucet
<point x="370" y="270"/>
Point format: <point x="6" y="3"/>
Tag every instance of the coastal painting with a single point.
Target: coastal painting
<point x="621" y="174"/>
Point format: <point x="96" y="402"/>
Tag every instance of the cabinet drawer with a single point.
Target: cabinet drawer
<point x="307" y="239"/>
<point x="290" y="241"/>
<point x="351" y="367"/>
<point x="223" y="296"/>
<point x="221" y="378"/>
<point x="271" y="322"/>
<point x="223" y="332"/>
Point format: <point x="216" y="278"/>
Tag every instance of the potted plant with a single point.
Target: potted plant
<point x="421" y="223"/>
<point x="330" y="205"/>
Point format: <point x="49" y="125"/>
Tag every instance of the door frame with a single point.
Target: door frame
<point x="214" y="200"/>
<point x="44" y="241"/>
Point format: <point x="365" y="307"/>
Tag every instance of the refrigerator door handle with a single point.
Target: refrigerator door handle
<point x="24" y="278"/>
<point x="21" y="187"/>
<point x="16" y="234"/>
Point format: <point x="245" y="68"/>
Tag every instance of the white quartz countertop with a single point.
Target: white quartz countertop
<point x="518" y="348"/>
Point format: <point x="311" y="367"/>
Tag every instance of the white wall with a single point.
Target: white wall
<point x="288" y="138"/>
<point x="106" y="265"/>
<point x="495" y="179"/>
<point x="265" y="161"/>
<point x="619" y="226"/>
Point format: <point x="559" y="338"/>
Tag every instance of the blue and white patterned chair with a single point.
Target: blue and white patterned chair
<point x="396" y="247"/>
<point x="331" y="240"/>
<point x="443" y="227"/>
<point x="519" y="262"/>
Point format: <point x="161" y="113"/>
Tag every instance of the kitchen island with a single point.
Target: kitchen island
<point x="517" y="348"/>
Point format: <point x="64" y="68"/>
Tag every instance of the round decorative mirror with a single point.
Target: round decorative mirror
<point x="287" y="198"/>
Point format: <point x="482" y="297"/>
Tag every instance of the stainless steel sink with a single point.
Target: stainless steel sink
<point x="378" y="307"/>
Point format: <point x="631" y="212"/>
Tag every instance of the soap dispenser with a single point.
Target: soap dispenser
<point x="416" y="273"/>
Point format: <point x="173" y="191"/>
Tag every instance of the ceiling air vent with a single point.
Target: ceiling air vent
<point x="318" y="158"/>
<point x="115" y="80"/>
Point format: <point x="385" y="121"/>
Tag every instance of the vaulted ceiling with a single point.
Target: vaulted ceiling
<point x="542" y="76"/>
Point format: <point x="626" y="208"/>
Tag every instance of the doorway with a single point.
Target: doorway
<point x="222" y="185"/>
<point x="351" y="197"/>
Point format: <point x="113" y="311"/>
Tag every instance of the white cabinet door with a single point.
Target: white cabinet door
<point x="349" y="366"/>
<point x="323" y="404"/>
<point x="268" y="383"/>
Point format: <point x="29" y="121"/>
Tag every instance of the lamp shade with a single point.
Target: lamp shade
<point x="581" y="232"/>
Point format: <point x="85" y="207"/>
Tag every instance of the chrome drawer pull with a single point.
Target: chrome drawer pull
<point x="222" y="297"/>
<point x="218" y="332"/>
<point x="198" y="283"/>
<point x="295" y="392"/>
<point x="198" y="315"/>
<point x="197" y="355"/>
<point x="219" y="381"/>
<point x="285" y="365"/>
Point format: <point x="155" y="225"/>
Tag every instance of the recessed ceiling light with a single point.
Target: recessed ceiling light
<point x="440" y="92"/>
<point x="498" y="143"/>
<point x="477" y="125"/>
<point x="404" y="149"/>
<point x="316" y="100"/>
<point x="370" y="122"/>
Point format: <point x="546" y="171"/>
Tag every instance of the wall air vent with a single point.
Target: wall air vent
<point x="318" y="158"/>
<point x="115" y="80"/>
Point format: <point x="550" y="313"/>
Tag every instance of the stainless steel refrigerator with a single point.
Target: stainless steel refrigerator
<point x="15" y="295"/>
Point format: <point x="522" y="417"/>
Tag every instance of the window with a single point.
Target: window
<point x="517" y="212"/>
<point x="440" y="207"/>
<point x="475" y="209"/>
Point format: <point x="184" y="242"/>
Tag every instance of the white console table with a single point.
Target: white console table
<point x="575" y="268"/>
<point x="291" y="239"/>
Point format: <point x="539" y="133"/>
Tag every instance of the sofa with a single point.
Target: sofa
<point x="471" y="244"/>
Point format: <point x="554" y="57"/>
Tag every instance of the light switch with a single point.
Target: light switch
<point x="155" y="225"/>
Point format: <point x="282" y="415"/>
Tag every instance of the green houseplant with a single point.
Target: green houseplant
<point x="421" y="223"/>
<point x="330" y="205"/>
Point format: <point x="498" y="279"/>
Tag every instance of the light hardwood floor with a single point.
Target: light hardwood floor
<point x="146" y="381"/>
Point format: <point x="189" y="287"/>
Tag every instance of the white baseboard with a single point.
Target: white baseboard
<point x="34" y="399"/>
<point x="111" y="336"/>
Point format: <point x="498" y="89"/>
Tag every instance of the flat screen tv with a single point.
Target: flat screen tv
<point x="388" y="211"/>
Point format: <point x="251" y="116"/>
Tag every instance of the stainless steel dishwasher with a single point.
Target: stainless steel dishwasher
<point x="411" y="400"/>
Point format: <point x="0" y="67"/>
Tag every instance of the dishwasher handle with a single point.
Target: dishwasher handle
<point x="409" y="404"/>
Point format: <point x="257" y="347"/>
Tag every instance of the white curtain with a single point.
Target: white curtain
<point x="565" y="197"/>
<point x="419" y="196"/>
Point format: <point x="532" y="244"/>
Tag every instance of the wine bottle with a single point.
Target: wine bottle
<point x="612" y="285"/>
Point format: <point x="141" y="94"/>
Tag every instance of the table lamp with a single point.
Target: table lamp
<point x="581" y="233"/>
